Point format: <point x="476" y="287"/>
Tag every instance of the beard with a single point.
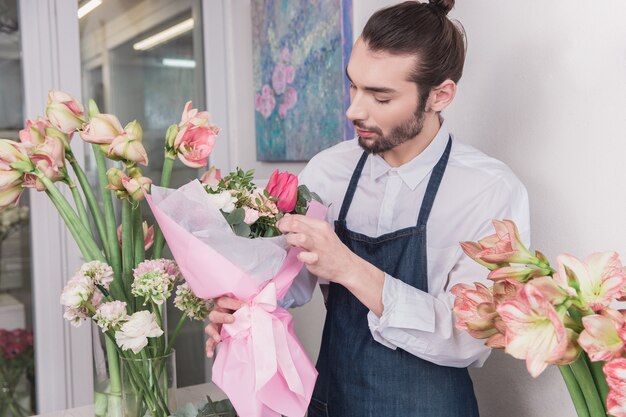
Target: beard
<point x="399" y="134"/>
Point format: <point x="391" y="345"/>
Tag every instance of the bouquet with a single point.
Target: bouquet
<point x="223" y="236"/>
<point x="16" y="360"/>
<point x="549" y="315"/>
<point x="118" y="287"/>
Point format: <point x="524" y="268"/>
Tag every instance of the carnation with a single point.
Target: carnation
<point x="110" y="315"/>
<point x="78" y="290"/>
<point x="187" y="302"/>
<point x="155" y="286"/>
<point x="166" y="266"/>
<point x="99" y="272"/>
<point x="135" y="332"/>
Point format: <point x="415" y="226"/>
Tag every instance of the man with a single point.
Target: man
<point x="402" y="196"/>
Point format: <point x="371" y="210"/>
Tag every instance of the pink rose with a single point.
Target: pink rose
<point x="284" y="187"/>
<point x="265" y="102"/>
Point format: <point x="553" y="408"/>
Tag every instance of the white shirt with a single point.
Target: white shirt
<point x="475" y="189"/>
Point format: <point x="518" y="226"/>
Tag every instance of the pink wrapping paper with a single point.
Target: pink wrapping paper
<point x="261" y="365"/>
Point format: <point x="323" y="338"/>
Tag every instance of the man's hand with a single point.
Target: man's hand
<point x="222" y="313"/>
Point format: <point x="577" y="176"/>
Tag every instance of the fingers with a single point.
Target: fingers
<point x="219" y="316"/>
<point x="308" y="258"/>
<point x="228" y="303"/>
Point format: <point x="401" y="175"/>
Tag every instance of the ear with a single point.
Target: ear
<point x="441" y="96"/>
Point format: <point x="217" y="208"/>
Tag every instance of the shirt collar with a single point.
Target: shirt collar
<point x="414" y="171"/>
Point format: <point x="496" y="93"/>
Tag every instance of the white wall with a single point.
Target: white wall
<point x="543" y="91"/>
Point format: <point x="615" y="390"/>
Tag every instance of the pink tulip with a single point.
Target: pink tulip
<point x="615" y="372"/>
<point x="505" y="246"/>
<point x="475" y="310"/>
<point x="35" y="132"/>
<point x="535" y="331"/>
<point x="284" y="187"/>
<point x="128" y="145"/>
<point x="212" y="177"/>
<point x="601" y="337"/>
<point x="599" y="278"/>
<point x="137" y="187"/>
<point x="64" y="112"/>
<point x="102" y="129"/>
<point x="195" y="143"/>
<point x="148" y="235"/>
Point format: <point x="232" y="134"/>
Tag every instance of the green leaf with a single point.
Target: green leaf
<point x="316" y="198"/>
<point x="241" y="229"/>
<point x="303" y="190"/>
<point x="236" y="216"/>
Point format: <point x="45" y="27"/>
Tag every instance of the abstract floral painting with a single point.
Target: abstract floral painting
<point x="301" y="49"/>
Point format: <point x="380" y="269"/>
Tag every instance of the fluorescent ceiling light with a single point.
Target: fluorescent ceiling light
<point x="88" y="7"/>
<point x="179" y="63"/>
<point x="164" y="36"/>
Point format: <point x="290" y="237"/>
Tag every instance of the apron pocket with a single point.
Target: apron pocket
<point x="317" y="409"/>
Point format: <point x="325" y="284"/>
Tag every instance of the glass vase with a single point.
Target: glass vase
<point x="148" y="385"/>
<point x="106" y="376"/>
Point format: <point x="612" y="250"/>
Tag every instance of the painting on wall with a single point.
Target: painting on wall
<point x="301" y="49"/>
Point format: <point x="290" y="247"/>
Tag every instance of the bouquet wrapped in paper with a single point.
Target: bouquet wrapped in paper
<point x="261" y="365"/>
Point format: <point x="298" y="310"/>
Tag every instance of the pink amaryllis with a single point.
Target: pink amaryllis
<point x="35" y="131"/>
<point x="505" y="246"/>
<point x="615" y="372"/>
<point x="102" y="129"/>
<point x="519" y="273"/>
<point x="535" y="331"/>
<point x="128" y="145"/>
<point x="64" y="112"/>
<point x="602" y="338"/>
<point x="599" y="278"/>
<point x="148" y="235"/>
<point x="475" y="310"/>
<point x="195" y="138"/>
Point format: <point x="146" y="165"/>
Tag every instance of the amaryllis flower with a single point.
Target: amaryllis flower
<point x="137" y="187"/>
<point x="193" y="116"/>
<point x="134" y="333"/>
<point x="102" y="129"/>
<point x="602" y="337"/>
<point x="535" y="331"/>
<point x="475" y="310"/>
<point x="148" y="235"/>
<point x="552" y="291"/>
<point x="615" y="372"/>
<point x="472" y="249"/>
<point x="264" y="102"/>
<point x="519" y="273"/>
<point x="35" y="131"/>
<point x="599" y="278"/>
<point x="505" y="290"/>
<point x="284" y="187"/>
<point x="49" y="158"/>
<point x="187" y="302"/>
<point x="64" y="112"/>
<point x="505" y="246"/>
<point x="128" y="145"/>
<point x="194" y="144"/>
<point x="115" y="177"/>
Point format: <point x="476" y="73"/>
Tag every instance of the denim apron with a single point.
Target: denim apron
<point x="358" y="376"/>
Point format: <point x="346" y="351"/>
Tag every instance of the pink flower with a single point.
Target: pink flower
<point x="282" y="110"/>
<point x="535" y="331"/>
<point x="290" y="73"/>
<point x="472" y="249"/>
<point x="279" y="78"/>
<point x="284" y="187"/>
<point x="64" y="112"/>
<point x="102" y="129"/>
<point x="505" y="246"/>
<point x="475" y="310"/>
<point x="291" y="97"/>
<point x="115" y="177"/>
<point x="519" y="273"/>
<point x="49" y="158"/>
<point x="35" y="131"/>
<point x="128" y="145"/>
<point x="602" y="337"/>
<point x="137" y="187"/>
<point x="193" y="116"/>
<point x="211" y="177"/>
<point x="167" y="266"/>
<point x="615" y="372"/>
<point x="265" y="102"/>
<point x="194" y="144"/>
<point x="599" y="279"/>
<point x="285" y="55"/>
<point x="252" y="215"/>
<point x="148" y="235"/>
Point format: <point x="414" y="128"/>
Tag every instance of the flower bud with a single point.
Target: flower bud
<point x="115" y="176"/>
<point x="137" y="187"/>
<point x="64" y="112"/>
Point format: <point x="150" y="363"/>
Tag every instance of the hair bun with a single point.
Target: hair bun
<point x="441" y="7"/>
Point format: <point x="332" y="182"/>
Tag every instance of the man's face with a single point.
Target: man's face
<point x="385" y="106"/>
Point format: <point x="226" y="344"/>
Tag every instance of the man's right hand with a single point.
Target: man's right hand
<point x="221" y="313"/>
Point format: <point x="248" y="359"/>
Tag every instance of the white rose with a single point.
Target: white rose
<point x="135" y="332"/>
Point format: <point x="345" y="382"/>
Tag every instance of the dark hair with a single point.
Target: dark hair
<point x="423" y="30"/>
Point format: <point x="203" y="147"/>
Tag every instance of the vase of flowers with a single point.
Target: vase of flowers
<point x="124" y="282"/>
<point x="551" y="315"/>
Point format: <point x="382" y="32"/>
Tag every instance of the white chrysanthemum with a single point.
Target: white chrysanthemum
<point x="99" y="272"/>
<point x="224" y="201"/>
<point x="187" y="302"/>
<point x="135" y="332"/>
<point x="110" y="315"/>
<point x="154" y="286"/>
<point x="78" y="290"/>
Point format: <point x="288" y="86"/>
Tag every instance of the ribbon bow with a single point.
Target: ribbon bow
<point x="268" y="337"/>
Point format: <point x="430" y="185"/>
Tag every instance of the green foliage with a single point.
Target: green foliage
<point x="221" y="408"/>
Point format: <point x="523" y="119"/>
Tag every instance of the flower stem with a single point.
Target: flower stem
<point x="172" y="341"/>
<point x="127" y="246"/>
<point x="115" y="379"/>
<point x="587" y="386"/>
<point x="599" y="378"/>
<point x="81" y="235"/>
<point x="574" y="391"/>
<point x="80" y="206"/>
<point x="159" y="240"/>
<point x="113" y="250"/>
<point x="140" y="253"/>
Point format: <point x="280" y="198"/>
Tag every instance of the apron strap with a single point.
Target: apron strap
<point x="347" y="199"/>
<point x="433" y="185"/>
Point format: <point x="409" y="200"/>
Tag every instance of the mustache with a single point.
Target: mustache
<point x="369" y="129"/>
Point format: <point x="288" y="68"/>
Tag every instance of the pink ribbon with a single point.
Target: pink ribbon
<point x="268" y="337"/>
